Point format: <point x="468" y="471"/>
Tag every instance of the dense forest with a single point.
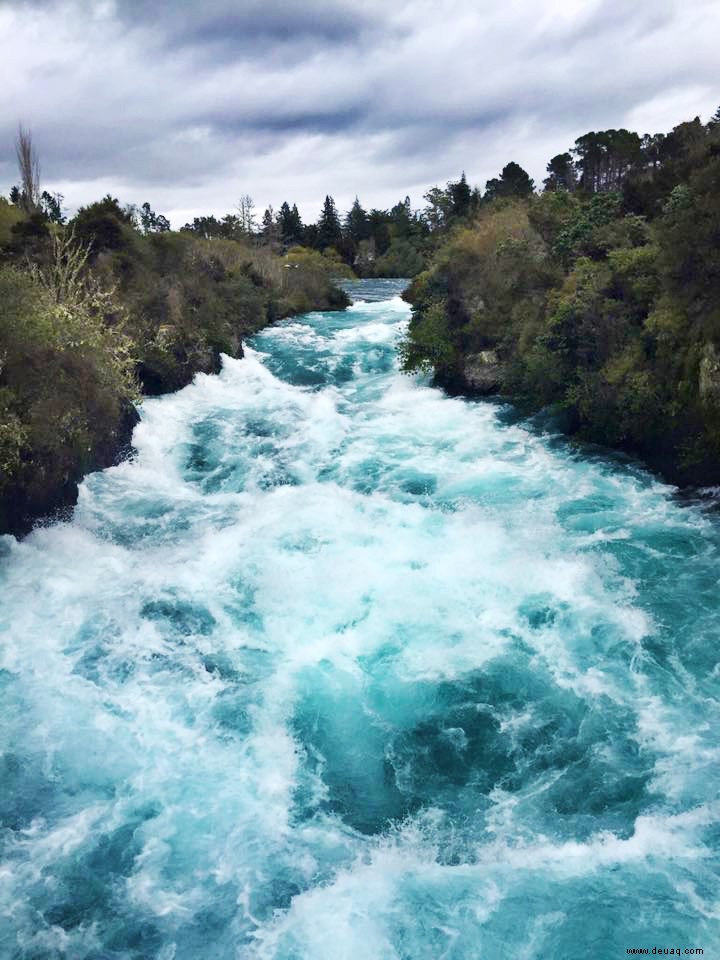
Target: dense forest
<point x="597" y="298"/>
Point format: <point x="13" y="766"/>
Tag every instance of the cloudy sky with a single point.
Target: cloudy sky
<point x="190" y="104"/>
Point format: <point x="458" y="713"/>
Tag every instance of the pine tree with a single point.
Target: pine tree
<point x="268" y="220"/>
<point x="329" y="232"/>
<point x="561" y="173"/>
<point x="715" y="119"/>
<point x="460" y="196"/>
<point x="356" y="222"/>
<point x="291" y="226"/>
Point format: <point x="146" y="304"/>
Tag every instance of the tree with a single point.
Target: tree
<point x="246" y="214"/>
<point x="104" y="225"/>
<point x="51" y="206"/>
<point x="714" y="120"/>
<point x="329" y="232"/>
<point x="439" y="207"/>
<point x="561" y="173"/>
<point x="605" y="157"/>
<point x="403" y="224"/>
<point x="357" y="226"/>
<point x="152" y="222"/>
<point x="512" y="182"/>
<point x="651" y="146"/>
<point x="291" y="225"/>
<point x="270" y="231"/>
<point x="460" y="196"/>
<point x="29" y="167"/>
<point x="379" y="230"/>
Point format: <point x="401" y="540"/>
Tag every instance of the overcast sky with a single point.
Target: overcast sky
<point x="190" y="104"/>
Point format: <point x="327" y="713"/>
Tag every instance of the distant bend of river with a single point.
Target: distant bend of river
<point x="340" y="668"/>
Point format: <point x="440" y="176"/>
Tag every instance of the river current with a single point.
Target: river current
<point x="340" y="668"/>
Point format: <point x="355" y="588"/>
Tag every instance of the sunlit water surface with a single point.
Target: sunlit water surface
<point x="341" y="668"/>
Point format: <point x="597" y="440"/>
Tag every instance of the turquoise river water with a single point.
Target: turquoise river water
<point x="341" y="668"/>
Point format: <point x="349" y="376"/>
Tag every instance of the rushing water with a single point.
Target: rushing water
<point x="340" y="668"/>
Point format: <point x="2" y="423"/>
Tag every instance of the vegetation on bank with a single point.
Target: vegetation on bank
<point x="599" y="297"/>
<point x="113" y="304"/>
<point x="374" y="243"/>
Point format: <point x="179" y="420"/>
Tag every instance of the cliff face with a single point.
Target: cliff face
<point x="483" y="373"/>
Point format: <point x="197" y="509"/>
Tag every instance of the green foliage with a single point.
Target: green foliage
<point x="580" y="235"/>
<point x="428" y="347"/>
<point x="291" y="225"/>
<point x="92" y="311"/>
<point x="66" y="376"/>
<point x="9" y="216"/>
<point x="357" y="225"/>
<point x="605" y="157"/>
<point x="402" y="259"/>
<point x="104" y="225"/>
<point x="562" y="174"/>
<point x="329" y="233"/>
<point x="601" y="298"/>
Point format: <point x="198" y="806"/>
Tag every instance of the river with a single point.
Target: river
<point x="341" y="668"/>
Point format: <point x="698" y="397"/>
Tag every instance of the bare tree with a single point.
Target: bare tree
<point x="29" y="166"/>
<point x="246" y="212"/>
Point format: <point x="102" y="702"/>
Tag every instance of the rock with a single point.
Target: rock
<point x="709" y="380"/>
<point x="483" y="372"/>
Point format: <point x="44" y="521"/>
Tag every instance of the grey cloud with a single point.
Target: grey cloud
<point x="196" y="102"/>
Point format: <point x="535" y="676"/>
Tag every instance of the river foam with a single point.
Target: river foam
<point x="339" y="667"/>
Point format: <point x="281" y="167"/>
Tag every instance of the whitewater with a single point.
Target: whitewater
<point x="337" y="667"/>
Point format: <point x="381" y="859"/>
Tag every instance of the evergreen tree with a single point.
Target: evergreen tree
<point x="715" y="119"/>
<point x="329" y="232"/>
<point x="561" y="173"/>
<point x="379" y="230"/>
<point x="357" y="226"/>
<point x="270" y="230"/>
<point x="51" y="206"/>
<point x="291" y="225"/>
<point x="605" y="157"/>
<point x="310" y="235"/>
<point x="460" y="196"/>
<point x="402" y="221"/>
<point x="512" y="182"/>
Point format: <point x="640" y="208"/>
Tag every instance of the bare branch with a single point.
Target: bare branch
<point x="29" y="167"/>
<point x="63" y="277"/>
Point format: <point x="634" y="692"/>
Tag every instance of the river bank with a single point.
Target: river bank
<point x="96" y="315"/>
